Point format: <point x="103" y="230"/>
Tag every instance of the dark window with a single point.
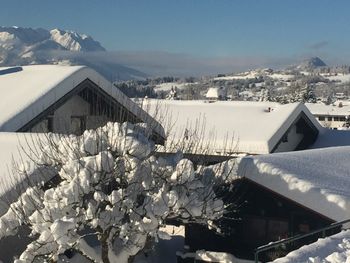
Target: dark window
<point x="78" y="124"/>
<point x="321" y="118"/>
<point x="285" y="138"/>
<point x="50" y="123"/>
<point x="342" y="119"/>
<point x="277" y="229"/>
<point x="336" y="118"/>
<point x="329" y="118"/>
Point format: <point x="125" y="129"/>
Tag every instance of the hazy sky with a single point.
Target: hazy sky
<point x="260" y="30"/>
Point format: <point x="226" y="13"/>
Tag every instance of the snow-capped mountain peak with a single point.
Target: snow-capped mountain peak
<point x="312" y="63"/>
<point x="23" y="46"/>
<point x="22" y="39"/>
<point x="75" y="42"/>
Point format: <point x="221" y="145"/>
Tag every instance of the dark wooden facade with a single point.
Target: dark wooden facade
<point x="256" y="216"/>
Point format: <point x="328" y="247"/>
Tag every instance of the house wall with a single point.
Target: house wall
<point x="293" y="140"/>
<point x="332" y="121"/>
<point x="69" y="118"/>
<point x="254" y="217"/>
<point x="62" y="117"/>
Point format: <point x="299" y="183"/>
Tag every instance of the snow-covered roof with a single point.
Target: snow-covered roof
<point x="331" y="138"/>
<point x="28" y="92"/>
<point x="216" y="92"/>
<point x="255" y="127"/>
<point x="332" y="110"/>
<point x="318" y="179"/>
<point x="333" y="249"/>
<point x="16" y="149"/>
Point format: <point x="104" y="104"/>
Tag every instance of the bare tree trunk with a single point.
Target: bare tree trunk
<point x="104" y="248"/>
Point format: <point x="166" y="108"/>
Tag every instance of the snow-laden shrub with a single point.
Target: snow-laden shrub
<point x="110" y="185"/>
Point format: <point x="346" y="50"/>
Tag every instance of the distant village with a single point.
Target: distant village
<point x="324" y="90"/>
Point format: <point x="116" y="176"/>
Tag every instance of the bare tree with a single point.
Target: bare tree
<point x="107" y="185"/>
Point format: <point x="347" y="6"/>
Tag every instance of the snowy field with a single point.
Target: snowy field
<point x="343" y="78"/>
<point x="169" y="85"/>
<point x="255" y="74"/>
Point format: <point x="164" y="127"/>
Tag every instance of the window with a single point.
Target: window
<point x="336" y="118"/>
<point x="321" y="118"/>
<point x="78" y="124"/>
<point x="342" y="118"/>
<point x="329" y="118"/>
<point x="50" y="123"/>
<point x="285" y="137"/>
<point x="277" y="229"/>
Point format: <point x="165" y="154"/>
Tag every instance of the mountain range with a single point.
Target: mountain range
<point x="23" y="46"/>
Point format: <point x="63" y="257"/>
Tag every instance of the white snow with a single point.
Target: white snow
<point x="333" y="249"/>
<point x="318" y="179"/>
<point x="281" y="76"/>
<point x="255" y="74"/>
<point x="244" y="75"/>
<point x="168" y="85"/>
<point x="119" y="152"/>
<point x="331" y="138"/>
<point x="218" y="257"/>
<point x="216" y="93"/>
<point x="343" y="78"/>
<point x="35" y="88"/>
<point x="16" y="150"/>
<point x="332" y="110"/>
<point x="226" y="126"/>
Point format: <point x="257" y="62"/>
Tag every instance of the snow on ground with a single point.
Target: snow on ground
<point x="167" y="86"/>
<point x="343" y="78"/>
<point x="319" y="179"/>
<point x="281" y="76"/>
<point x="333" y="249"/>
<point x="243" y="75"/>
<point x="218" y="257"/>
<point x="256" y="74"/>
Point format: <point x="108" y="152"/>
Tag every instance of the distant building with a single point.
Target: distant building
<point x="334" y="116"/>
<point x="223" y="128"/>
<point x="340" y="96"/>
<point x="277" y="196"/>
<point x="217" y="93"/>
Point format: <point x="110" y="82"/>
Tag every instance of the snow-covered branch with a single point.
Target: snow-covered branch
<point x="109" y="185"/>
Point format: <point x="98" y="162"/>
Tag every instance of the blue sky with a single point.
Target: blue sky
<point x="253" y="29"/>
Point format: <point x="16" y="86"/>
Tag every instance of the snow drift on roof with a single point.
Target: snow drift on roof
<point x="255" y="127"/>
<point x="332" y="138"/>
<point x="333" y="249"/>
<point x="318" y="179"/>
